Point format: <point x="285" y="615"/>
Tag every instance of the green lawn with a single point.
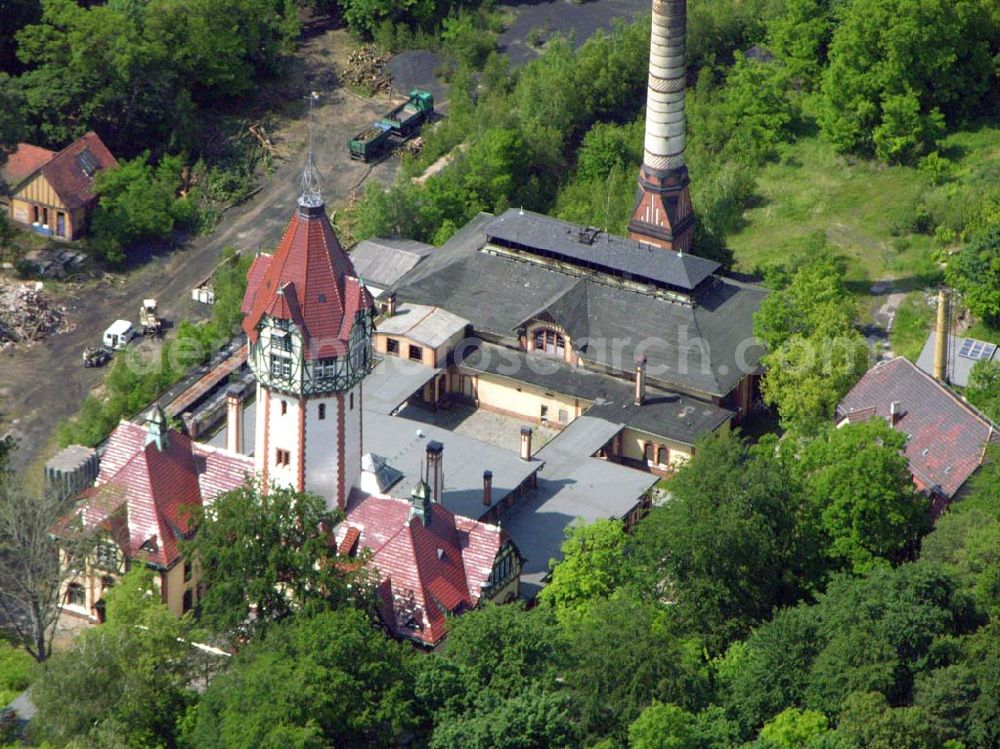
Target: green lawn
<point x="856" y="205"/>
<point x="913" y="321"/>
<point x="16" y="672"/>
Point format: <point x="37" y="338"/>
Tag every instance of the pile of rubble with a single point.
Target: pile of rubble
<point x="27" y="316"/>
<point x="366" y="69"/>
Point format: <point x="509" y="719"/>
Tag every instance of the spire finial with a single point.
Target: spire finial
<point x="312" y="188"/>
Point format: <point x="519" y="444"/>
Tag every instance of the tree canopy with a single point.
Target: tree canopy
<point x="263" y="555"/>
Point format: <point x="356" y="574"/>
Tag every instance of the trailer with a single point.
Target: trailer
<point x="401" y="122"/>
<point x="368" y="144"/>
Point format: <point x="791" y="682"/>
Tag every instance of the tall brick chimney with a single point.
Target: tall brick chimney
<point x="234" y="419"/>
<point x="434" y="477"/>
<point x="662" y="215"/>
<point x="640" y="379"/>
<point x="525" y="443"/>
<point x="941" y="336"/>
<point x="487" y="488"/>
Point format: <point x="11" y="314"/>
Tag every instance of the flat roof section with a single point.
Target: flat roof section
<point x="393" y="380"/>
<point x="571" y="488"/>
<point x="598" y="250"/>
<point x="403" y="443"/>
<point x="423" y="324"/>
<point x="963" y="353"/>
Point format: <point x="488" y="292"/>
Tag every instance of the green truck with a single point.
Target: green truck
<point x="401" y="122"/>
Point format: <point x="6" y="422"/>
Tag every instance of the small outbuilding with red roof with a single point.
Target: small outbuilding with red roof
<point x="946" y="437"/>
<point x="52" y="193"/>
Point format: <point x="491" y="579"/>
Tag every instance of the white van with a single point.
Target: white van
<point x="119" y="334"/>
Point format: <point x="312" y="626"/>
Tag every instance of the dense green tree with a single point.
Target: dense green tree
<point x="794" y="728"/>
<point x="269" y="550"/>
<point x="859" y="483"/>
<point x="876" y="632"/>
<point x="746" y="118"/>
<point x="625" y="653"/>
<point x="16" y="14"/>
<point x="868" y="721"/>
<point x="663" y="727"/>
<point x="814" y="353"/>
<point x="808" y="298"/>
<point x="136" y="72"/>
<point x="592" y="568"/>
<point x="947" y="694"/>
<point x="138" y="202"/>
<point x="497" y="683"/>
<point x="975" y="272"/>
<point x="769" y="672"/>
<point x="730" y="544"/>
<point x="983" y="390"/>
<point x="314" y="681"/>
<point x="126" y="679"/>
<point x="800" y="36"/>
<point x="897" y="68"/>
<point x="13" y="127"/>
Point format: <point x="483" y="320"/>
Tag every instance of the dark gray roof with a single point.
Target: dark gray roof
<point x="382" y="262"/>
<point x="959" y="367"/>
<point x="694" y="348"/>
<point x="598" y="250"/>
<point x="403" y="443"/>
<point x="392" y="381"/>
<point x="670" y="415"/>
<point x="571" y="487"/>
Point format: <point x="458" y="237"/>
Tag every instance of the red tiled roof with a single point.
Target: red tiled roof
<point x="426" y="572"/>
<point x="66" y="175"/>
<point x="946" y="437"/>
<point x="23" y="162"/>
<point x="310" y="281"/>
<point x="148" y="491"/>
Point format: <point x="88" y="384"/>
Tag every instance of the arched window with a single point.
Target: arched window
<point x="648" y="451"/>
<point x="663" y="455"/>
<point x="550" y="342"/>
<point x="284" y="407"/>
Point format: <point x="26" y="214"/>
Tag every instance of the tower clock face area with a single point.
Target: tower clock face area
<point x="280" y="362"/>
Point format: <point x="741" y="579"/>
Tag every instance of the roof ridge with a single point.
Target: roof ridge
<point x="958" y="399"/>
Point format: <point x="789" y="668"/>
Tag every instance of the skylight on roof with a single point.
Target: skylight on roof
<point x="87" y="161"/>
<point x="976" y="350"/>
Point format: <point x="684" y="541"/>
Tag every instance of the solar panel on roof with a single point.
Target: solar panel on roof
<point x="976" y="350"/>
<point x="87" y="161"/>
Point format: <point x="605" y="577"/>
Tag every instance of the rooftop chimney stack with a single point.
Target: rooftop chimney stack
<point x="487" y="488"/>
<point x="662" y="215"/>
<point x="894" y="412"/>
<point x="941" y="337"/>
<point x="234" y="419"/>
<point x="434" y="477"/>
<point x="525" y="443"/>
<point x="640" y="379"/>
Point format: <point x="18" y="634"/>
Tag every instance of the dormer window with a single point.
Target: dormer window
<point x="550" y="342"/>
<point x="282" y="340"/>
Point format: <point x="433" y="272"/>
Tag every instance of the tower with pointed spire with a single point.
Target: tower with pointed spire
<point x="308" y="320"/>
<point x="663" y="216"/>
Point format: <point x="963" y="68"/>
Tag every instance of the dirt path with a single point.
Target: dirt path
<point x="41" y="386"/>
